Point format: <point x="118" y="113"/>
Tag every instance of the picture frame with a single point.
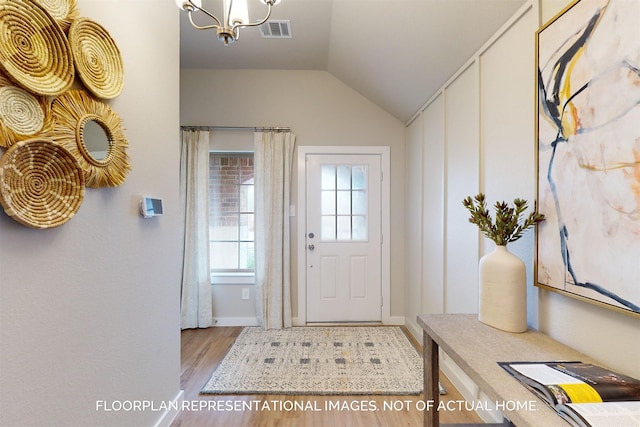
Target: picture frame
<point x="588" y="154"/>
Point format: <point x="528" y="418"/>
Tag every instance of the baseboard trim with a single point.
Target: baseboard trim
<point x="395" y="321"/>
<point x="392" y="321"/>
<point x="469" y="390"/>
<point x="235" y="321"/>
<point x="415" y="330"/>
<point x="171" y="413"/>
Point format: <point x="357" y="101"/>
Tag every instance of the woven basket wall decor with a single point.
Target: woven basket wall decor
<point x="58" y="140"/>
<point x="97" y="58"/>
<point x="41" y="183"/>
<point x="22" y="114"/>
<point x="71" y="111"/>
<point x="63" y="11"/>
<point x="34" y="51"/>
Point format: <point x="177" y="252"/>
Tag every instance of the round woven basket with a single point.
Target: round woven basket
<point x="22" y="114"/>
<point x="34" y="51"/>
<point x="97" y="58"/>
<point x="20" y="111"/>
<point x="41" y="183"/>
<point x="63" y="11"/>
<point x="71" y="111"/>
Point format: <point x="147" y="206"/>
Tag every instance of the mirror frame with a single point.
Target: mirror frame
<point x="82" y="145"/>
<point x="71" y="111"/>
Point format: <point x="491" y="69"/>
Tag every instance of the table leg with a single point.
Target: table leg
<point x="431" y="380"/>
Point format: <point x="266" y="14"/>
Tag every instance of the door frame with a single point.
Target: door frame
<point x="385" y="202"/>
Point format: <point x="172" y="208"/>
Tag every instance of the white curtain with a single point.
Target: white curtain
<point x="196" y="307"/>
<point x="273" y="159"/>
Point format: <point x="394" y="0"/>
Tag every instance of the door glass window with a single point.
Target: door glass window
<point x="344" y="204"/>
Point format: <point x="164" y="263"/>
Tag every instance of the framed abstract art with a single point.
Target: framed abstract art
<point x="587" y="116"/>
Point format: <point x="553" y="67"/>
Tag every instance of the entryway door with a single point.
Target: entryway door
<point x="343" y="238"/>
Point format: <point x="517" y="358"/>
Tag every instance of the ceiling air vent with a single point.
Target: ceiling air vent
<point x="276" y="29"/>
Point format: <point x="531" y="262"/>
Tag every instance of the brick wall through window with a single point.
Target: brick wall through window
<point x="231" y="210"/>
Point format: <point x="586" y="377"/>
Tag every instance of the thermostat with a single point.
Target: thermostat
<point x="150" y="207"/>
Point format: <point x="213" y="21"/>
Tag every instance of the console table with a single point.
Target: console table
<point x="476" y="348"/>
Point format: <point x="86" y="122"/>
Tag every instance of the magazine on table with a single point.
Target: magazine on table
<point x="584" y="394"/>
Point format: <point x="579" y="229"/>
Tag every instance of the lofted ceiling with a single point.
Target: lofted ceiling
<point x="396" y="53"/>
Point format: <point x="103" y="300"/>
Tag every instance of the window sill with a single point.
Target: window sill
<point x="233" y="278"/>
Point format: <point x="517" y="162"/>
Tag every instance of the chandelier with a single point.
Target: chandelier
<point x="235" y="16"/>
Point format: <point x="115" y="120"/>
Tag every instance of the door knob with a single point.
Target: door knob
<point x="311" y="247"/>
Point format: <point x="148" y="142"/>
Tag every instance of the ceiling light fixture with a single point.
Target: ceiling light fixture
<point x="236" y="16"/>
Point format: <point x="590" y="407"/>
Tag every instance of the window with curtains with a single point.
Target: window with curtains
<point x="231" y="215"/>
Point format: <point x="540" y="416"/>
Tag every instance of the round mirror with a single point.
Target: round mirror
<point x="96" y="140"/>
<point x="92" y="132"/>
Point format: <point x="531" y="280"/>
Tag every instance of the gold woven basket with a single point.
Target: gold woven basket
<point x="63" y="11"/>
<point x="97" y="58"/>
<point x="22" y="114"/>
<point x="41" y="183"/>
<point x="71" y="112"/>
<point x="34" y="51"/>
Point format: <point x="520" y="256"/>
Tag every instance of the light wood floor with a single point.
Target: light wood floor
<point x="203" y="349"/>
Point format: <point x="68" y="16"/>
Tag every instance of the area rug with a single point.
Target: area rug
<point x="319" y="361"/>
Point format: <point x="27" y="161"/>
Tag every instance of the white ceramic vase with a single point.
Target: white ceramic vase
<point x="503" y="291"/>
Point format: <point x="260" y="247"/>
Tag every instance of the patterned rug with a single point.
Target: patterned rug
<point x="319" y="361"/>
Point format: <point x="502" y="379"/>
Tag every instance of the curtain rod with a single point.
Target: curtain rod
<point x="255" y="129"/>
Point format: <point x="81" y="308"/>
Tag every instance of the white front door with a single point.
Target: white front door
<point x="343" y="237"/>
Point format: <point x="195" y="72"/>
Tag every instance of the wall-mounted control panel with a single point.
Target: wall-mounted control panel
<point x="150" y="207"/>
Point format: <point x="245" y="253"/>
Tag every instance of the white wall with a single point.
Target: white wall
<point x="413" y="214"/>
<point x="321" y="111"/>
<point x="461" y="128"/>
<point x="480" y="126"/>
<point x="433" y="178"/>
<point x="90" y="310"/>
